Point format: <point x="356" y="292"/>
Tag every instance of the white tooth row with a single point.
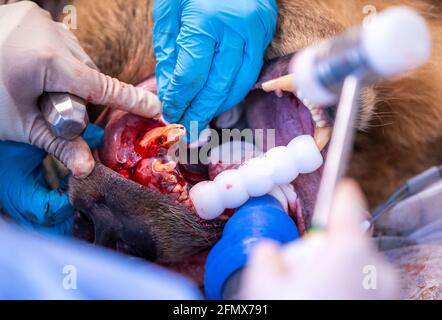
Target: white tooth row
<point x="305" y="101"/>
<point x="319" y="116"/>
<point x="256" y="177"/>
<point x="286" y="195"/>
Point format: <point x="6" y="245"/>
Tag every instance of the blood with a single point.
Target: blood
<point x="137" y="148"/>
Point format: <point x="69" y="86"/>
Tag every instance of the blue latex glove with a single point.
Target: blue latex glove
<point x="209" y="54"/>
<point x="24" y="194"/>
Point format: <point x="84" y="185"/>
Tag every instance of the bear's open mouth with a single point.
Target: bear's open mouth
<point x="136" y="148"/>
<point x="290" y="118"/>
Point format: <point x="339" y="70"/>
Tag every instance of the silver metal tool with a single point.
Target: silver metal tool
<point x="65" y="114"/>
<point x="345" y="64"/>
<point x="341" y="146"/>
<point x="398" y="41"/>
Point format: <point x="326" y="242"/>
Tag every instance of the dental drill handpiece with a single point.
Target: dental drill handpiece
<point x="65" y="114"/>
<point x="396" y="42"/>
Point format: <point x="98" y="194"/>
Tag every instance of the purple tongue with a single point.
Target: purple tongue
<point x="290" y="118"/>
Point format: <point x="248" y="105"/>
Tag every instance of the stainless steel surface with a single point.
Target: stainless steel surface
<point x="65" y="114"/>
<point x="339" y="57"/>
<point x="340" y="149"/>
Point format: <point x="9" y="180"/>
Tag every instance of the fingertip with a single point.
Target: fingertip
<point x="138" y="101"/>
<point x="100" y="89"/>
<point x="75" y="154"/>
<point x="82" y="165"/>
<point x="348" y="211"/>
<point x="79" y="159"/>
<point x="265" y="249"/>
<point x="147" y="104"/>
<point x="268" y="255"/>
<point x="350" y="189"/>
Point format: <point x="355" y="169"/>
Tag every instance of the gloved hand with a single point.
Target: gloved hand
<point x="209" y="54"/>
<point x="24" y="194"/>
<point x="37" y="55"/>
<point x="339" y="263"/>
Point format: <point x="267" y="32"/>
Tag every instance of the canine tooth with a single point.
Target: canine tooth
<point x="283" y="162"/>
<point x="290" y="193"/>
<point x="257" y="176"/>
<point x="206" y="200"/>
<point x="308" y="158"/>
<point x="322" y="136"/>
<point x="231" y="188"/>
<point x="168" y="135"/>
<point x="284" y="83"/>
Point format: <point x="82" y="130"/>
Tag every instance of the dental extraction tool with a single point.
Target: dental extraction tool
<point x="340" y="149"/>
<point x="397" y="42"/>
<point x="412" y="187"/>
<point x="65" y="114"/>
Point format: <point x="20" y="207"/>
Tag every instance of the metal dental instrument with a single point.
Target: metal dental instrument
<point x="335" y="70"/>
<point x="340" y="148"/>
<point x="338" y="68"/>
<point x="399" y="41"/>
<point x="65" y="114"/>
<point x="412" y="187"/>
